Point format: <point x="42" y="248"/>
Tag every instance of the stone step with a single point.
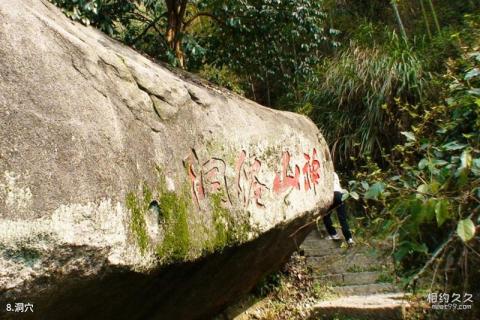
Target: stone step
<point x="349" y="278"/>
<point x="350" y="262"/>
<point x="322" y="248"/>
<point x="378" y="306"/>
<point x="365" y="289"/>
<point x="335" y="247"/>
<point x="316" y="235"/>
<point x="323" y="251"/>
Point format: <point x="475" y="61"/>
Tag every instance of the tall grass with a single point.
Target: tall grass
<point x="358" y="101"/>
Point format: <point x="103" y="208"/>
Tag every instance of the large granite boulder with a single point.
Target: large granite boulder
<point x="130" y="191"/>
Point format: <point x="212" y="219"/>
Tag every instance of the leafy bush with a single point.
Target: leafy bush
<point x="101" y="13"/>
<point x="223" y="77"/>
<point x="274" y="43"/>
<point x="428" y="199"/>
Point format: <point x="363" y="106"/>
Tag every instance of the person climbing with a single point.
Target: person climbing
<point x="341" y="213"/>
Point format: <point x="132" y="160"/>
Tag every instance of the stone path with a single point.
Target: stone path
<point x="376" y="306"/>
<point x="358" y="275"/>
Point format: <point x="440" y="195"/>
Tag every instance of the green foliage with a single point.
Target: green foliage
<point x="272" y="42"/>
<point x="103" y="14"/>
<point x="359" y="98"/>
<point x="138" y="23"/>
<point x="374" y="191"/>
<point x="223" y="77"/>
<point x="268" y="284"/>
<point x="466" y="229"/>
<point x="427" y="197"/>
<point x="442" y="211"/>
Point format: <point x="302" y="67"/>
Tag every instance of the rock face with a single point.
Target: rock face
<point x="129" y="191"/>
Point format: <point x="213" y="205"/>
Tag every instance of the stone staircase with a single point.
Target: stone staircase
<point x="359" y="276"/>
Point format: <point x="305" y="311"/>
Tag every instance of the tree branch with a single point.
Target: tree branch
<point x="150" y="25"/>
<point x="434" y="257"/>
<point x="141" y="17"/>
<point x="437" y="253"/>
<point x="201" y="14"/>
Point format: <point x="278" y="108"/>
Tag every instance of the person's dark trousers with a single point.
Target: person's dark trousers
<point x="342" y="217"/>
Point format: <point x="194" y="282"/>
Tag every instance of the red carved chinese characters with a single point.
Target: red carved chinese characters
<point x="207" y="178"/>
<point x="248" y="182"/>
<point x="196" y="177"/>
<point x="214" y="177"/>
<point x="211" y="177"/>
<point x="285" y="181"/>
<point x="311" y="171"/>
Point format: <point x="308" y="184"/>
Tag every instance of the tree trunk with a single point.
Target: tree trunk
<point x="173" y="35"/>
<point x="253" y="88"/>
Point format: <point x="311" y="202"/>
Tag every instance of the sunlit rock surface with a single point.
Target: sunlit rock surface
<point x="130" y="191"/>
